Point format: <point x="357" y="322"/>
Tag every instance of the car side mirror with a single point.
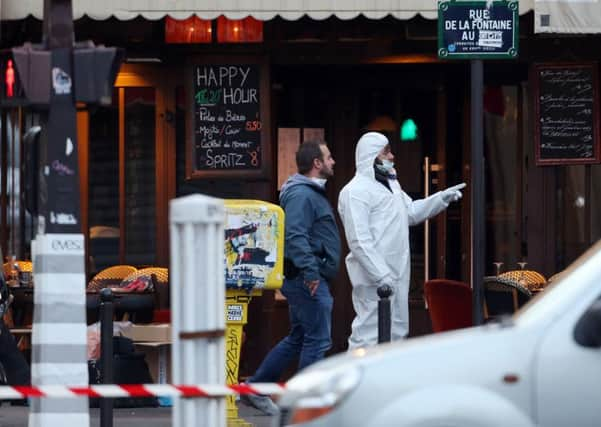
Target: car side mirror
<point x="587" y="332"/>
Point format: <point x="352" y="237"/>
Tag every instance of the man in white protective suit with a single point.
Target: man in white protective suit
<point x="376" y="214"/>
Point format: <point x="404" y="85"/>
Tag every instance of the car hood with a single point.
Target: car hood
<point x="497" y="357"/>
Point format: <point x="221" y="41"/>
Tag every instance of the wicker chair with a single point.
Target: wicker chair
<point x="532" y="280"/>
<point x="161" y="274"/>
<point x="503" y="296"/>
<point x="24" y="266"/>
<point x="141" y="306"/>
<point x="20" y="312"/>
<point x="160" y="278"/>
<point x="111" y="276"/>
<point x="135" y="306"/>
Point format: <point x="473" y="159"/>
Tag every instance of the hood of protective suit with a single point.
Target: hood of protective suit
<point x="368" y="148"/>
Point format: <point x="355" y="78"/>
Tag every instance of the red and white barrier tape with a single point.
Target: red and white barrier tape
<point x="139" y="390"/>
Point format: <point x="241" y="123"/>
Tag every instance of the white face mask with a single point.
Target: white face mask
<point x="387" y="166"/>
<point x="319" y="181"/>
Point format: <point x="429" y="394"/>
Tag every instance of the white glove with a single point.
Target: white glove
<point x="452" y="194"/>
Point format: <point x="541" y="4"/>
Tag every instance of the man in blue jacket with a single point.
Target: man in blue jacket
<point x="311" y="258"/>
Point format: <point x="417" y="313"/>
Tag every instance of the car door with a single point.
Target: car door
<point x="568" y="376"/>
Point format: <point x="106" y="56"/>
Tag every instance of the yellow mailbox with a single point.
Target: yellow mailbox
<point x="254" y="260"/>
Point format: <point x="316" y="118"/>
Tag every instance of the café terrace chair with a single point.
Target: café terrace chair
<point x="24" y="266"/>
<point x="531" y="279"/>
<point x="20" y="312"/>
<point x="449" y="304"/>
<point x="111" y="276"/>
<point x="160" y="277"/>
<point x="140" y="306"/>
<point x="107" y="278"/>
<point x="503" y="296"/>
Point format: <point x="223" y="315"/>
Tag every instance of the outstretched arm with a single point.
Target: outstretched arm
<point x="423" y="209"/>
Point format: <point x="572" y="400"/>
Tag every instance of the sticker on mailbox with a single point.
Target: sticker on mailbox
<point x="234" y="312"/>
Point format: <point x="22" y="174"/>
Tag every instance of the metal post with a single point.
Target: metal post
<point x="59" y="265"/>
<point x="58" y="338"/>
<point x="106" y="355"/>
<point x="478" y="200"/>
<point x="197" y="279"/>
<point x="427" y="221"/>
<point x="384" y="292"/>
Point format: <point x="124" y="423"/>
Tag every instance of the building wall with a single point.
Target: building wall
<point x="340" y="76"/>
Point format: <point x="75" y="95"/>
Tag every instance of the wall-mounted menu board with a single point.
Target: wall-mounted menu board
<point x="566" y="113"/>
<point x="228" y="131"/>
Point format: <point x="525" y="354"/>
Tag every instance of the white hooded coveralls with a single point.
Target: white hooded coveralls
<point x="376" y="223"/>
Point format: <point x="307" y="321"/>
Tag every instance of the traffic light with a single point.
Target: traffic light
<point x="409" y="131"/>
<point x="26" y="74"/>
<point x="11" y="89"/>
<point x="95" y="70"/>
<point x="33" y="65"/>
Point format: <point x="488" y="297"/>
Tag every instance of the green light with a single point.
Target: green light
<point x="408" y="130"/>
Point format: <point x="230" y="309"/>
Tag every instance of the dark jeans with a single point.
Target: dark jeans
<point x="310" y="331"/>
<point x="13" y="361"/>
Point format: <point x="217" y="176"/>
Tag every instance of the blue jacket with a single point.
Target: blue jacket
<point x="312" y="237"/>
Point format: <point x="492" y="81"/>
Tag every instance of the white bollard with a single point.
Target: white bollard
<point x="197" y="285"/>
<point x="58" y="341"/>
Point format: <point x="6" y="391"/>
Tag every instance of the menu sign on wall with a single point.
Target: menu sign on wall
<point x="228" y="129"/>
<point x="566" y="108"/>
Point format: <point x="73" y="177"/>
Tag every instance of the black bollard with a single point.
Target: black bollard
<point x="106" y="353"/>
<point x="384" y="293"/>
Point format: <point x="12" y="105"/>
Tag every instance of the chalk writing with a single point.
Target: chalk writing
<point x="227" y="120"/>
<point x="566" y="125"/>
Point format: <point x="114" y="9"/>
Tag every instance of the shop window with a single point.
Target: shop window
<point x="103" y="202"/>
<point x="196" y="30"/>
<point x="191" y="30"/>
<point x="140" y="188"/>
<point x="11" y="211"/>
<point x="122" y="183"/>
<point x="503" y="179"/>
<point x="247" y="30"/>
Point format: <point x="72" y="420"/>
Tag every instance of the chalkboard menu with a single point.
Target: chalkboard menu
<point x="228" y="126"/>
<point x="566" y="113"/>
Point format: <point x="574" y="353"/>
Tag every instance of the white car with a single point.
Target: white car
<point x="541" y="367"/>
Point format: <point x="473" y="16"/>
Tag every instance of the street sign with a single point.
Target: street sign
<point x="473" y="30"/>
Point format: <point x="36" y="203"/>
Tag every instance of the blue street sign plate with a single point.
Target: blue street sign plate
<point x="471" y="30"/>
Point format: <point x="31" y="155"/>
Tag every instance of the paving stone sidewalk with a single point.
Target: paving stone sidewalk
<point x="16" y="416"/>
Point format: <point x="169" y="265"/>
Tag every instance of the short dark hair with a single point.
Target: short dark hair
<point x="307" y="152"/>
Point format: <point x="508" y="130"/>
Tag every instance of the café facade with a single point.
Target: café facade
<point x="215" y="98"/>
